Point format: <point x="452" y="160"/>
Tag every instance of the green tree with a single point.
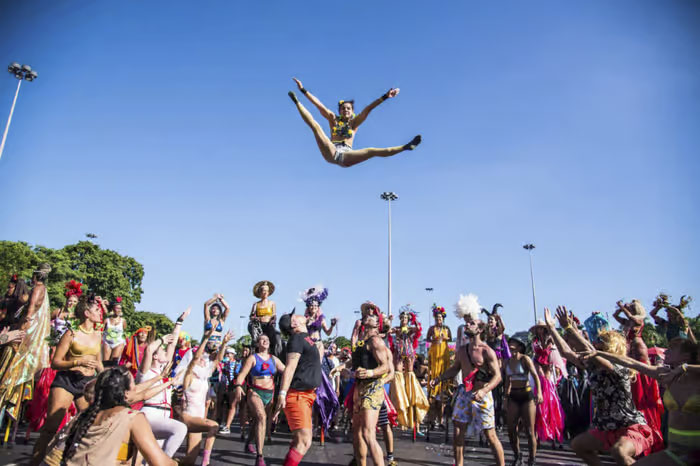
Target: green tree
<point x="245" y="340"/>
<point x="104" y="272"/>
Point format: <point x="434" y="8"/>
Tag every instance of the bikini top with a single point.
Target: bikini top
<point x="518" y="373"/>
<point x="341" y="130"/>
<point x="691" y="406"/>
<point x="262" y="367"/>
<point x="208" y="326"/>
<point x="77" y="349"/>
<point x="316" y="325"/>
<point x="263" y="311"/>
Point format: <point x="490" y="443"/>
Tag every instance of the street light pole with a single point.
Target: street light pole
<point x="21" y="73"/>
<point x="389" y="197"/>
<point x="530" y="247"/>
<point x="429" y="290"/>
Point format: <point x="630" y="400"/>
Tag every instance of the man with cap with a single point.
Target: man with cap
<point x="473" y="402"/>
<point x="299" y="382"/>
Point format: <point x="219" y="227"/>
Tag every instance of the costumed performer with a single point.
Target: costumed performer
<point x="300" y="380"/>
<point x="645" y="390"/>
<point x="473" y="411"/>
<point x="676" y="327"/>
<point x="261" y="367"/>
<point x="681" y="377"/>
<point x="109" y="432"/>
<point x="520" y="376"/>
<point x="338" y="149"/>
<point x="326" y="403"/>
<point x="215" y="316"/>
<point x="77" y="360"/>
<point x="405" y="391"/>
<point x="135" y="347"/>
<point x="20" y="362"/>
<point x="495" y="337"/>
<point x="11" y="305"/>
<point x="61" y="319"/>
<point x="438" y="360"/>
<point x="196" y="387"/>
<point x="617" y="427"/>
<point x="157" y="408"/>
<point x="113" y="340"/>
<point x="263" y="316"/>
<point x="550" y="413"/>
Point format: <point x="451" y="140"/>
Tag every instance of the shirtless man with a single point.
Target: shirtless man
<point x="338" y="149"/>
<point x="473" y="408"/>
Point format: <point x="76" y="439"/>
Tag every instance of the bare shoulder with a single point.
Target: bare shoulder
<point x="487" y="352"/>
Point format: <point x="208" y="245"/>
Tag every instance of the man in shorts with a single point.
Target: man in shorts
<point x="473" y="409"/>
<point x="298" y="388"/>
<point x="371" y="362"/>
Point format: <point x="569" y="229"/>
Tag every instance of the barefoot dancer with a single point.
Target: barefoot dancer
<point x="338" y="150"/>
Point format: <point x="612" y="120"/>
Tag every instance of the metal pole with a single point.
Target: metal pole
<point x="532" y="281"/>
<point x="9" y="119"/>
<point x="389" y="304"/>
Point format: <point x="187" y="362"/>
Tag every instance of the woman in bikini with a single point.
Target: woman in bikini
<point x="261" y="367"/>
<point x="113" y="340"/>
<point x="520" y="371"/>
<point x="263" y="316"/>
<point x="338" y="149"/>
<point x="215" y="316"/>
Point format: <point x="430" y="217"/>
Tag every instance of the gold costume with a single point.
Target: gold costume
<point x="438" y="357"/>
<point x="19" y="362"/>
<point x="405" y="393"/>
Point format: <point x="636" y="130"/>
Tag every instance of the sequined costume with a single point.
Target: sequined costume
<point x="19" y="363"/>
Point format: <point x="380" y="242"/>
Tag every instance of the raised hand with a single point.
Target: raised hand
<point x="299" y="85"/>
<point x="563" y="317"/>
<point x="184" y="315"/>
<point x="548" y="318"/>
<point x="393" y="92"/>
<point x="228" y="336"/>
<point x="167" y="339"/>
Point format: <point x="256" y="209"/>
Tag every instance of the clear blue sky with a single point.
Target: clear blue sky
<point x="165" y="129"/>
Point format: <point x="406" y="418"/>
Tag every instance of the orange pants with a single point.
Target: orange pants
<point x="299" y="408"/>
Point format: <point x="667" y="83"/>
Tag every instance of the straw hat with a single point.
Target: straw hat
<point x="540" y="324"/>
<point x="258" y="286"/>
<point x="368" y="305"/>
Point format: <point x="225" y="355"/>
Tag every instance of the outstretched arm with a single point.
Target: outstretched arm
<point x="362" y="116"/>
<point x="651" y="371"/>
<point x="327" y="114"/>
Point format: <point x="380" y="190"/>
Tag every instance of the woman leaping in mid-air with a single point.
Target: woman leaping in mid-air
<point x="338" y="149"/>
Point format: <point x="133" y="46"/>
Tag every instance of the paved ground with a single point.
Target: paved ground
<point x="229" y="450"/>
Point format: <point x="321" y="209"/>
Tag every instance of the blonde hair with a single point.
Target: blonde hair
<point x="613" y="342"/>
<point x="637" y="308"/>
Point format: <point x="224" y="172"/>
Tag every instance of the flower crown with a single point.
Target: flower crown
<point x="438" y="310"/>
<point x="73" y="289"/>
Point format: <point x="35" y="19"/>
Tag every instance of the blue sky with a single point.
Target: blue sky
<point x="165" y="129"/>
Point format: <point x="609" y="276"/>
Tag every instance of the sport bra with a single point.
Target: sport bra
<point x="259" y="370"/>
<point x="517" y="374"/>
<point x="263" y="311"/>
<point x="691" y="406"/>
<point x="208" y="326"/>
<point x="78" y="349"/>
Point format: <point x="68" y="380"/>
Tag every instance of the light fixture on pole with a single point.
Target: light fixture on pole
<point x="21" y="72"/>
<point x="429" y="290"/>
<point x="389" y="197"/>
<point x="530" y="247"/>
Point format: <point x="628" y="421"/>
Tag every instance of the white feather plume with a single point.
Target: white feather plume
<point x="468" y="305"/>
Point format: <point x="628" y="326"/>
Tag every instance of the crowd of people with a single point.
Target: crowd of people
<point x="97" y="393"/>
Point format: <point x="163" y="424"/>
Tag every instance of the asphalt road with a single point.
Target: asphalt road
<point x="228" y="450"/>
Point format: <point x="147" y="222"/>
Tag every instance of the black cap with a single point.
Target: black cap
<point x="285" y="322"/>
<point x="520" y="340"/>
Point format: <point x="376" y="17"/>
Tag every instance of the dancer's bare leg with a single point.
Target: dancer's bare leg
<point x="324" y="144"/>
<point x="353" y="157"/>
<point x="528" y="414"/>
<point x="496" y="447"/>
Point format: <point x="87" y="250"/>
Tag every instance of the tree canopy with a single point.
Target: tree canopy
<point x="102" y="271"/>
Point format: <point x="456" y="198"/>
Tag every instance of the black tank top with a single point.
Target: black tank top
<point x="363" y="357"/>
<point x="482" y="375"/>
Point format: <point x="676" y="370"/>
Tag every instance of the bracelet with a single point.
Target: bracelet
<point x="179" y="322"/>
<point x="568" y="327"/>
<point x="385" y="96"/>
<point x="684" y="366"/>
<point x="283" y="392"/>
<point x="304" y="91"/>
<point x="370" y="373"/>
<point x="74" y="362"/>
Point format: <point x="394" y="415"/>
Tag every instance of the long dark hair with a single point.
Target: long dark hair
<point x="83" y="305"/>
<point x="110" y="391"/>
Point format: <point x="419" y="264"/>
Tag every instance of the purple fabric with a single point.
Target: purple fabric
<point x="506" y="349"/>
<point x="326" y="404"/>
<point x="316" y="325"/>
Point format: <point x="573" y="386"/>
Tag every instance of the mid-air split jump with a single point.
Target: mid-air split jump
<point x="338" y="149"/>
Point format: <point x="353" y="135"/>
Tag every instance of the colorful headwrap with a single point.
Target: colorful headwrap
<point x="73" y="289"/>
<point x="131" y="351"/>
<point x="595" y="324"/>
<point x="317" y="293"/>
<point x="438" y="310"/>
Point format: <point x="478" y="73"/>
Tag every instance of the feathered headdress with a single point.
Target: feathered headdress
<point x="73" y="289"/>
<point x="595" y="324"/>
<point x="407" y="309"/>
<point x="438" y="310"/>
<point x="468" y="305"/>
<point x="318" y="293"/>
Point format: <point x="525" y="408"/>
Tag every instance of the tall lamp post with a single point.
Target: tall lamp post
<point x="429" y="290"/>
<point x="529" y="248"/>
<point x="21" y="72"/>
<point x="389" y="197"/>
